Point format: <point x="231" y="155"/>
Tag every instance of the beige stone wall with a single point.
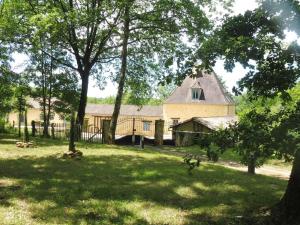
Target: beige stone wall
<point x="187" y="111"/>
<point x="32" y="114"/>
<point x="125" y="124"/>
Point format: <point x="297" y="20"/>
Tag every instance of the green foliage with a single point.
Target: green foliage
<point x="213" y="152"/>
<point x="256" y="40"/>
<point x="192" y="161"/>
<point x="245" y="103"/>
<point x="6" y="92"/>
<point x="157" y="97"/>
<point x="251" y="137"/>
<point x="66" y="101"/>
<point x="21" y="91"/>
<point x="107" y="100"/>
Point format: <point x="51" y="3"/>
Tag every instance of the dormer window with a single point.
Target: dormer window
<point x="198" y="94"/>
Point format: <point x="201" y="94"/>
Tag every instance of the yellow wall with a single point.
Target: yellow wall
<point x="187" y="111"/>
<point x="125" y="124"/>
<point x="170" y="111"/>
<point x="32" y="114"/>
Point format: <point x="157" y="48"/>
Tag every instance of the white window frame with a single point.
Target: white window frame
<point x="196" y="94"/>
<point x="146" y="125"/>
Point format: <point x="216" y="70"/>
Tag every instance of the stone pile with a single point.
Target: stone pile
<point x="20" y="144"/>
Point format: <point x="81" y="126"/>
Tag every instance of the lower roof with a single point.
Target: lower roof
<point x="212" y="123"/>
<point x="125" y="110"/>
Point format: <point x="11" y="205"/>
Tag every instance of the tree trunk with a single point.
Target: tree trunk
<point x="44" y="95"/>
<point x="251" y="165"/>
<point x="26" y="133"/>
<point x="48" y="112"/>
<point x="287" y="211"/>
<point x="19" y="124"/>
<point x="72" y="134"/>
<point x="115" y="115"/>
<point x="33" y="128"/>
<point x="45" y="125"/>
<point x="83" y="98"/>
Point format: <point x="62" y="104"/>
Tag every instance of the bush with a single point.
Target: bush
<point x="2" y="125"/>
<point x="204" y="141"/>
<point x="212" y="152"/>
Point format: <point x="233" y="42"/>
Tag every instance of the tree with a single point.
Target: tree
<point x="256" y="40"/>
<point x="21" y="93"/>
<point x="6" y="75"/>
<point x="250" y="137"/>
<point x="82" y="32"/>
<point x="121" y="82"/>
<point x="66" y="103"/>
<point x="6" y="92"/>
<point x="43" y="71"/>
<point x="152" y="43"/>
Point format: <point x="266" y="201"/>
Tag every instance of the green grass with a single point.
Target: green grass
<point x="122" y="185"/>
<point x="228" y="155"/>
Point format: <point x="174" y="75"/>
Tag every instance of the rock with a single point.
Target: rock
<point x="25" y="144"/>
<point x="76" y="154"/>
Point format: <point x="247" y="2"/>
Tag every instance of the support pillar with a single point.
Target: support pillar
<point x="159" y="132"/>
<point x="105" y="131"/>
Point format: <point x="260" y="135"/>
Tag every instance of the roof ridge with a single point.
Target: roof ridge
<point x="223" y="89"/>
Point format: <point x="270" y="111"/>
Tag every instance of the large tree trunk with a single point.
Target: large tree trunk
<point x="83" y="98"/>
<point x="115" y="115"/>
<point x="44" y="90"/>
<point x="72" y="134"/>
<point x="45" y="119"/>
<point x="19" y="124"/>
<point x="287" y="212"/>
<point x="251" y="165"/>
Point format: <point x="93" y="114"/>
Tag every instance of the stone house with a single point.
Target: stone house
<point x="202" y="96"/>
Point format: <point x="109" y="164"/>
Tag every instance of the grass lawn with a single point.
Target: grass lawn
<point x="228" y="155"/>
<point x="123" y="185"/>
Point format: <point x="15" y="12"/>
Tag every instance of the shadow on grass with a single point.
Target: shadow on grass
<point x="97" y="189"/>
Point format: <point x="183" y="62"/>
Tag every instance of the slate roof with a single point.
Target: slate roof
<point x="105" y="109"/>
<point x="214" y="91"/>
<point x="34" y="104"/>
<point x="212" y="123"/>
<point x="126" y="110"/>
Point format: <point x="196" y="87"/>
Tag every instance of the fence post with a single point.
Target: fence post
<point x="133" y="131"/>
<point x="33" y="128"/>
<point x="159" y="132"/>
<point x="105" y="134"/>
<point x="52" y="130"/>
<point x="142" y="141"/>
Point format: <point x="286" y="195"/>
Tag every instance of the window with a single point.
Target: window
<point x="86" y="123"/>
<point x="175" y="121"/>
<point x="197" y="94"/>
<point x="21" y="118"/>
<point x="51" y="116"/>
<point x="146" y="125"/>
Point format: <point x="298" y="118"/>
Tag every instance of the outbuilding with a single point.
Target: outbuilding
<point x="185" y="133"/>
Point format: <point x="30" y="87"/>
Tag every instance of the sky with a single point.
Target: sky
<point x="230" y="78"/>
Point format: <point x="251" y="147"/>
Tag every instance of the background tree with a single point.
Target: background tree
<point x="256" y="40"/>
<point x="6" y="76"/>
<point x="152" y="43"/>
<point x="21" y="93"/>
<point x="66" y="102"/>
<point x="44" y="73"/>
